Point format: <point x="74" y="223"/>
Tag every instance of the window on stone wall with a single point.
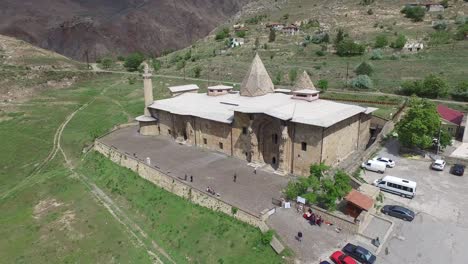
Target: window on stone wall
<point x="304" y="146"/>
<point x="275" y="138"/>
<point x="244" y="130"/>
<point x="169" y="132"/>
<point x="205" y="141"/>
<point x="221" y="146"/>
<point x="273" y="160"/>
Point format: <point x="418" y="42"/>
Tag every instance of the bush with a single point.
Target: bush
<point x="267" y="237"/>
<point x="460" y="93"/>
<point x="292" y="75"/>
<point x="222" y="34"/>
<point x="462" y="31"/>
<point x="431" y="87"/>
<point x="156" y="65"/>
<point x="320" y="38"/>
<point x="320" y="53"/>
<point x="415" y="13"/>
<point x="241" y="33"/>
<point x="439" y="38"/>
<point x="348" y="47"/>
<point x="272" y="35"/>
<point x="362" y="82"/>
<point x="400" y="42"/>
<point x="180" y="65"/>
<point x="133" y="61"/>
<point x="376" y="55"/>
<point x="364" y="69"/>
<point x="131" y="80"/>
<point x="120" y="58"/>
<point x="322" y="85"/>
<point x="370" y="11"/>
<point x="395" y="57"/>
<point x="381" y="41"/>
<point x="107" y="62"/>
<point x="197" y="71"/>
<point x="440" y="25"/>
<point x="278" y="78"/>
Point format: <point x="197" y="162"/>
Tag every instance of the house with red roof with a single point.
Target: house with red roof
<point x="451" y="119"/>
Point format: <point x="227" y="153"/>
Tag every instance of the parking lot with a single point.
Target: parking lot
<point x="438" y="232"/>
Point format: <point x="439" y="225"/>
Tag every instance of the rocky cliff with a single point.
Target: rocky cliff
<point x="99" y="27"/>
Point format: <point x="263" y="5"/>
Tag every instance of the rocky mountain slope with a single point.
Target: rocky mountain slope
<point x="101" y="27"/>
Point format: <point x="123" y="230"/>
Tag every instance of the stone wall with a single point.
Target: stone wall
<point x="312" y="137"/>
<point x="240" y="140"/>
<point x="338" y="221"/>
<point x="213" y="135"/>
<point x="340" y="140"/>
<point x="175" y="186"/>
<point x="165" y="123"/>
<point x="364" y="131"/>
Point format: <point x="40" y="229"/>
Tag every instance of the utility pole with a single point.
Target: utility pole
<point x="87" y="58"/>
<point x="347" y="73"/>
<point x="438" y="140"/>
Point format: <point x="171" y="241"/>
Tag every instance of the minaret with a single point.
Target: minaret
<point x="148" y="124"/>
<point x="148" y="89"/>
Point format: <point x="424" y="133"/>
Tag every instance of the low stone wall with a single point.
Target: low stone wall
<point x="175" y="186"/>
<point x="338" y="221"/>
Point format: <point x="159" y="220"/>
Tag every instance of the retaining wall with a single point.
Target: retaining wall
<point x="175" y="186"/>
<point x="338" y="221"/>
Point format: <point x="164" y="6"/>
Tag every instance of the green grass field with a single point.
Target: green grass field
<point x="52" y="217"/>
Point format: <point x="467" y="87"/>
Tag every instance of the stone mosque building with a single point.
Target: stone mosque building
<point x="286" y="129"/>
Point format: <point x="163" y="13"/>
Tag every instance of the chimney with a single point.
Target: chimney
<point x="148" y="89"/>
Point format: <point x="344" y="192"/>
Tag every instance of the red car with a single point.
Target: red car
<point x="341" y="258"/>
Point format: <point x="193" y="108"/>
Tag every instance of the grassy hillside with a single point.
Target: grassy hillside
<point x="442" y="56"/>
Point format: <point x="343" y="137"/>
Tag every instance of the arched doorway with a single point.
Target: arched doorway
<point x="269" y="141"/>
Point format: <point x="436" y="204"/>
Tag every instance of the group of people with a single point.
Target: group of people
<point x="211" y="191"/>
<point x="312" y="218"/>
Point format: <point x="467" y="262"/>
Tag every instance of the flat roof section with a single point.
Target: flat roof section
<point x="183" y="88"/>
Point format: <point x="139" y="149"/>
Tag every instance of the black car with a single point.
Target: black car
<point x="359" y="253"/>
<point x="458" y="169"/>
<point x="398" y="212"/>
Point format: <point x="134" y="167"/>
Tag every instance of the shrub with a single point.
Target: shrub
<point x="278" y="78"/>
<point x="370" y="11"/>
<point x="320" y="53"/>
<point x="395" y="57"/>
<point x="197" y="71"/>
<point x="267" y="237"/>
<point x="222" y="34"/>
<point x="460" y="93"/>
<point x="322" y="85"/>
<point x="399" y="42"/>
<point x="156" y="65"/>
<point x="272" y="35"/>
<point x="348" y="47"/>
<point x="107" y="62"/>
<point x="292" y="75"/>
<point x="241" y="33"/>
<point x="133" y="61"/>
<point x="340" y="36"/>
<point x="439" y="38"/>
<point x="131" y="80"/>
<point x="362" y="82"/>
<point x="415" y="13"/>
<point x="120" y="58"/>
<point x="462" y="31"/>
<point x="440" y="25"/>
<point x="431" y="87"/>
<point x="364" y="69"/>
<point x="381" y="41"/>
<point x="320" y="38"/>
<point x="180" y="65"/>
<point x="376" y="55"/>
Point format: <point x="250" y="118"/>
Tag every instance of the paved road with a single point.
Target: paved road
<point x="438" y="233"/>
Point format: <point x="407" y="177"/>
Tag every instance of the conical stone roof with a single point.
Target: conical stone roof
<point x="303" y="82"/>
<point x="257" y="82"/>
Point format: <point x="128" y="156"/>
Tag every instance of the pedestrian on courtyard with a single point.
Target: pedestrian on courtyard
<point x="299" y="236"/>
<point x="191" y="178"/>
<point x="235" y="177"/>
<point x="255" y="170"/>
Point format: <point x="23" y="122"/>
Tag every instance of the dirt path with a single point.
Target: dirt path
<point x="130" y="226"/>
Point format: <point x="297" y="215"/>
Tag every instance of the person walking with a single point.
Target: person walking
<point x="255" y="170"/>
<point x="235" y="177"/>
<point x="191" y="178"/>
<point x="299" y="236"/>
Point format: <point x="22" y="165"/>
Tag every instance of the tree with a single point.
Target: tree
<point x="278" y="78"/>
<point x="156" y="65"/>
<point x="381" y="41"/>
<point x="133" y="61"/>
<point x="421" y="125"/>
<point x="416" y="13"/>
<point x="340" y="36"/>
<point x="319" y="170"/>
<point x="222" y="34"/>
<point x="272" y="36"/>
<point x="362" y="82"/>
<point x="431" y="87"/>
<point x="292" y="75"/>
<point x="400" y="42"/>
<point x="364" y="69"/>
<point x="107" y="62"/>
<point x="322" y="85"/>
<point x="197" y="71"/>
<point x="348" y="47"/>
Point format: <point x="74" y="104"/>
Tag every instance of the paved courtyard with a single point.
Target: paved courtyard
<point x="318" y="242"/>
<point x="251" y="192"/>
<point x="438" y="233"/>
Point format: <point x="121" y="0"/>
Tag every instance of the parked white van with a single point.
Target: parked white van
<point x="405" y="188"/>
<point x="374" y="165"/>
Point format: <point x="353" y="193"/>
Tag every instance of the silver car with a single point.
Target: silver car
<point x="438" y="165"/>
